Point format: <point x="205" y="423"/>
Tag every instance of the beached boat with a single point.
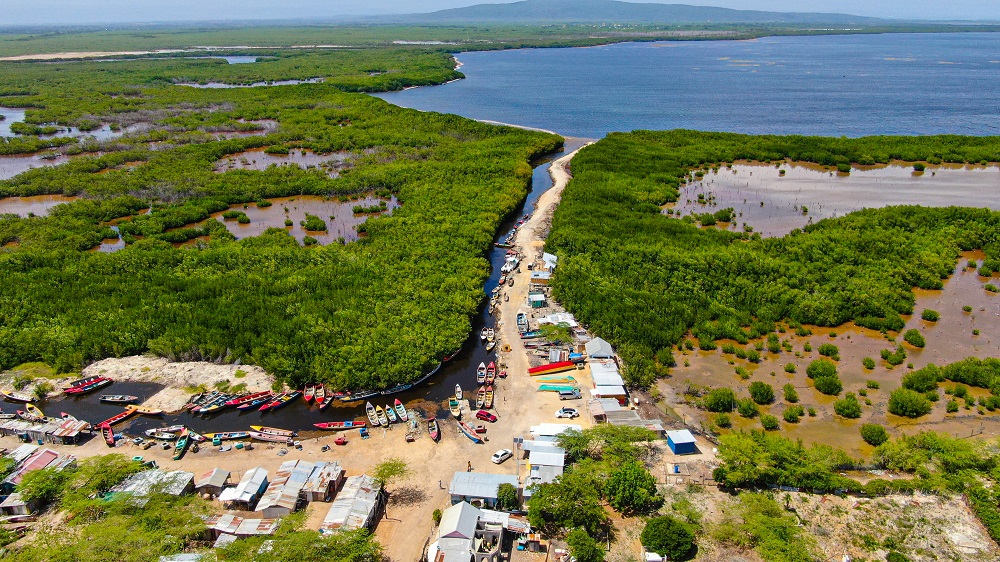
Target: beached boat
<point x="100" y="382"/>
<point x="458" y="392"/>
<point x="309" y="392"/>
<point x="118" y="398"/>
<point x="173" y="429"/>
<point x="480" y="398"/>
<point x="247" y="398"/>
<point x="401" y="411"/>
<point x="372" y="415"/>
<point x="551" y="368"/>
<point x="108" y="434"/>
<point x="432" y="429"/>
<point x="224" y="435"/>
<point x="510" y="283"/>
<point x="28" y="416"/>
<point x="340" y="425"/>
<point x="256" y="403"/>
<point x="17" y="397"/>
<point x="455" y="408"/>
<point x="183" y="440"/>
<point x="268" y="437"/>
<point x="398" y="388"/>
<point x="522" y="321"/>
<point x="201" y="400"/>
<point x="490" y="345"/>
<point x="557" y="388"/>
<point x="356" y="396"/>
<point x="143" y="411"/>
<point x="503" y="280"/>
<point x="391" y="414"/>
<point x="273" y="430"/>
<point x="482" y="334"/>
<point x="491" y="377"/>
<point x="196" y="437"/>
<point x="34" y="410"/>
<point x="488" y="402"/>
<point x="160" y="434"/>
<point x="470" y="433"/>
<point x="118" y="418"/>
<point x="491" y="335"/>
<point x="7" y="416"/>
<point x="382" y="419"/>
<point x="280" y="401"/>
<point x="326" y="402"/>
<point x="215" y="405"/>
<point x="557" y="378"/>
<point x="84" y="380"/>
<point x="320" y="394"/>
<point x="481" y="374"/>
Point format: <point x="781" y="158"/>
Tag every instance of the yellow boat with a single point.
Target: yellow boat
<point x="33" y="410"/>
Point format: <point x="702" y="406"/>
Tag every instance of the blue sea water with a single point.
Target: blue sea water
<point x="850" y="85"/>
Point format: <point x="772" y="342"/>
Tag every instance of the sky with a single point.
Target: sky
<point x="41" y="12"/>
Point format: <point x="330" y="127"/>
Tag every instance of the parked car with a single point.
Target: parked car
<point x="485" y="416"/>
<point x="567" y="413"/>
<point x="569" y="394"/>
<point x="502" y="455"/>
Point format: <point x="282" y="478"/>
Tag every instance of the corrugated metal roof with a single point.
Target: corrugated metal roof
<point x="354" y="506"/>
<point x="607" y="379"/>
<point x="680" y="436"/>
<point x="248" y="488"/>
<point x="547" y="458"/>
<point x="321" y="477"/>
<point x="551" y="429"/>
<point x="231" y="524"/>
<point x="291" y="479"/>
<point x="216" y="477"/>
<point x="599" y="347"/>
<point x="143" y="483"/>
<point x="612" y="390"/>
<point x="479" y="484"/>
<point x="459" y="521"/>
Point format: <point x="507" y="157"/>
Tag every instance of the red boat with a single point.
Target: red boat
<point x="128" y="413"/>
<point x="248" y="398"/>
<point x="109" y="435"/>
<point x="99" y="382"/>
<point x="309" y="392"/>
<point x="320" y="394"/>
<point x="337" y="425"/>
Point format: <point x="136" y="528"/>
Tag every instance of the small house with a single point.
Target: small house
<point x="212" y="482"/>
<point x="357" y="505"/>
<point x="536" y="299"/>
<point x="246" y="494"/>
<point x="478" y="488"/>
<point x="598" y="348"/>
<point x="467" y="535"/>
<point x="540" y="278"/>
<point x="549" y="261"/>
<point x="14" y="505"/>
<point x="681" y="442"/>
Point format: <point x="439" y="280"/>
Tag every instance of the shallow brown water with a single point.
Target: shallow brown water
<point x="257" y="159"/>
<point x="11" y="166"/>
<point x="38" y="205"/>
<point x="829" y="194"/>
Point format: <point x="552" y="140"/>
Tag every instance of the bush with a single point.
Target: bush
<point x="507" y="498"/>
<point x="811" y="411"/>
<point x="930" y="315"/>
<point x="874" y="434"/>
<point x="872" y="385"/>
<point x="848" y="407"/>
<point x="747" y="408"/>
<point x="769" y="422"/>
<point x="793" y="413"/>
<point x="914" y="338"/>
<point x="821" y="368"/>
<point x="830" y="350"/>
<point x="918" y="167"/>
<point x="894" y="556"/>
<point x="791" y="395"/>
<point x="790" y="367"/>
<point x="952" y="406"/>
<point x="830" y="386"/>
<point x="753" y="356"/>
<point x="722" y="420"/>
<point x="966" y="308"/>
<point x="908" y="403"/>
<point x="313" y="223"/>
<point x="991" y="288"/>
<point x="762" y="393"/>
<point x="668" y="537"/>
<point x="719" y="400"/>
<point x="894" y="357"/>
<point x="924" y="380"/>
<point x="583" y="547"/>
<point x="868" y="362"/>
<point x="436" y="516"/>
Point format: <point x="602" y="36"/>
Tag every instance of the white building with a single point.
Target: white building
<point x="358" y="504"/>
<point x="247" y="492"/>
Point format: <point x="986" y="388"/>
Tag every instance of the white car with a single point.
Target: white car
<point x="567" y="413"/>
<point x="502" y="455"/>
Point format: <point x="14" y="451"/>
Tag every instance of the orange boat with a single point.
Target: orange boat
<point x="550" y="368"/>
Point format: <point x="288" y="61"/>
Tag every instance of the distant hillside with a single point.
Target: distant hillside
<point x="611" y="11"/>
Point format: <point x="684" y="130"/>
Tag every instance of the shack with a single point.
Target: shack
<point x="681" y="442"/>
<point x="229" y="524"/>
<point x="358" y="505"/>
<point x="246" y="494"/>
<point x="598" y="348"/>
<point x="323" y="483"/>
<point x="14" y="505"/>
<point x="540" y="278"/>
<point x="479" y="488"/>
<point x="536" y="299"/>
<point x="212" y="482"/>
<point x="141" y="485"/>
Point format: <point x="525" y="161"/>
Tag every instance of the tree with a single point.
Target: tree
<point x="583" y="547"/>
<point x="924" y="380"/>
<point x="874" y="434"/>
<point x="668" y="537"/>
<point x="848" y="406"/>
<point x="769" y="422"/>
<point x="747" y="407"/>
<point x="43" y="486"/>
<point x="821" y="368"/>
<point x="631" y="489"/>
<point x="573" y="500"/>
<point x="390" y="470"/>
<point x="908" y="403"/>
<point x="507" y="498"/>
<point x="868" y="363"/>
<point x="761" y="392"/>
<point x="793" y="413"/>
<point x="720" y="400"/>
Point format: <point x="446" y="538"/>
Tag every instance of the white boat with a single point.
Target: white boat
<point x="160" y="434"/>
<point x="483" y="333"/>
<point x="458" y="392"/>
<point x="490" y="335"/>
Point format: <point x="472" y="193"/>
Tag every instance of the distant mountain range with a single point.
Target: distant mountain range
<point x="612" y="11"/>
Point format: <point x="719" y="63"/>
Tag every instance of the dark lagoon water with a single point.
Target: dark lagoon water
<point x="851" y="85"/>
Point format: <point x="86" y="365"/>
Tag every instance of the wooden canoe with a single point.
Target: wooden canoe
<point x="480" y="398"/>
<point x="340" y="425"/>
<point x="108" y="434"/>
<point x="273" y="430"/>
<point x="456" y="409"/>
<point x="128" y="413"/>
<point x="309" y="392"/>
<point x="470" y="433"/>
<point x="401" y="411"/>
<point x="182" y="444"/>
<point x="118" y="398"/>
<point x="268" y="437"/>
<point x="432" y="429"/>
<point x="372" y="415"/>
<point x="391" y="414"/>
<point x="488" y="402"/>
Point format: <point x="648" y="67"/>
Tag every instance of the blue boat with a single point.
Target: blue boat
<point x="470" y="433"/>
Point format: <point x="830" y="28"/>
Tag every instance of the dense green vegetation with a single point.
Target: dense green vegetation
<point x="370" y="314"/>
<point x="643" y="280"/>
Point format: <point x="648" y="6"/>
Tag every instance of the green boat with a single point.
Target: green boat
<point x="556" y="387"/>
<point x="182" y="444"/>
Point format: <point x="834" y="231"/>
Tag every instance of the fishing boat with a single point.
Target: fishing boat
<point x="118" y="398"/>
<point x="470" y="433"/>
<point x="503" y="280"/>
<point x="280" y="401"/>
<point x="160" y="434"/>
<point x="7" y="416"/>
<point x="320" y="394"/>
<point x="510" y="283"/>
<point x="491" y="376"/>
<point x="557" y="388"/>
<point x="557" y="378"/>
<point x="196" y="437"/>
<point x="226" y="435"/>
<point x="34" y="410"/>
<point x="381" y="415"/>
<point x="359" y="395"/>
<point x="488" y="403"/>
<point x="310" y="391"/>
<point x="391" y="414"/>
<point x="273" y="430"/>
<point x="268" y="437"/>
<point x="83" y="381"/>
<point x="257" y="402"/>
<point x="372" y="415"/>
<point x="490" y="345"/>
<point x="17" y="397"/>
<point x="143" y="411"/>
<point x="100" y="382"/>
<point x="522" y="321"/>
<point x="506" y="297"/>
<point x="480" y="398"/>
<point x="215" y="405"/>
<point x="490" y="335"/>
<point x="27" y="416"/>
<point x="432" y="429"/>
<point x="455" y="408"/>
<point x="326" y="402"/>
<point x="551" y="368"/>
<point x="108" y="434"/>
<point x="401" y="411"/>
<point x="246" y="398"/>
<point x="340" y="425"/>
<point x="201" y="400"/>
<point x="173" y="429"/>
<point x="183" y="440"/>
<point x="481" y="373"/>
<point x="482" y="334"/>
<point x="458" y="392"/>
<point x="398" y="388"/>
<point x="128" y="413"/>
